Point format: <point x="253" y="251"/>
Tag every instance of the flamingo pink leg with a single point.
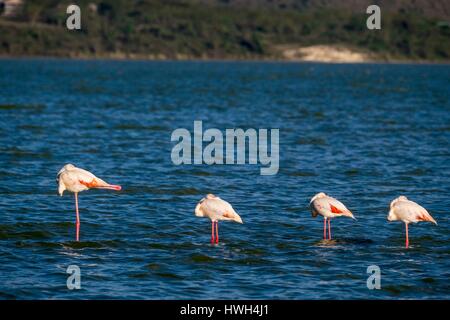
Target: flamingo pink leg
<point x="217" y="232"/>
<point x="407" y="240"/>
<point x="329" y="229"/>
<point x="78" y="217"/>
<point x="324" y="229"/>
<point x="212" y="232"/>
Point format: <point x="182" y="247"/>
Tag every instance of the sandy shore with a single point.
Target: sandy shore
<point x="282" y="53"/>
<point x="325" y="53"/>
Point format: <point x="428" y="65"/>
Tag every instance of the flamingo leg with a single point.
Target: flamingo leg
<point x="217" y="232"/>
<point x="78" y="217"/>
<point x="324" y="228"/>
<point x="407" y="240"/>
<point x="212" y="232"/>
<point x="329" y="229"/>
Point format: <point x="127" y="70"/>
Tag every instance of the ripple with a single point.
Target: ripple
<point x="186" y="191"/>
<point x="200" y="258"/>
<point x="35" y="235"/>
<point x="312" y="141"/>
<point x="168" y="275"/>
<point x="30" y="107"/>
<point x="139" y="127"/>
<point x="302" y="174"/>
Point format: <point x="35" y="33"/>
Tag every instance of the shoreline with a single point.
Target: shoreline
<point x="233" y="60"/>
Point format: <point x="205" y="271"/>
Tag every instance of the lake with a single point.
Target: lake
<point x="363" y="133"/>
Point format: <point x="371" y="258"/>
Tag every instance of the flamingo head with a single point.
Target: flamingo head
<point x="198" y="209"/>
<point x="68" y="166"/>
<point x="400" y="198"/>
<point x="318" y="196"/>
<point x="391" y="216"/>
<point x="61" y="187"/>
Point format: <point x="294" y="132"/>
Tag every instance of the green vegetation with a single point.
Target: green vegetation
<point x="214" y="29"/>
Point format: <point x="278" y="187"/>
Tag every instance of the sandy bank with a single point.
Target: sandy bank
<point x="325" y="53"/>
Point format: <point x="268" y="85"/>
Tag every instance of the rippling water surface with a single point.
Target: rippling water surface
<point x="362" y="133"/>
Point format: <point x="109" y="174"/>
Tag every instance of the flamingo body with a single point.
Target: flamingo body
<point x="75" y="180"/>
<point x="403" y="209"/>
<point x="408" y="211"/>
<point x="328" y="207"/>
<point x="216" y="209"/>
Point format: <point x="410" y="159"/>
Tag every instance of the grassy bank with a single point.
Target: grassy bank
<point x="152" y="29"/>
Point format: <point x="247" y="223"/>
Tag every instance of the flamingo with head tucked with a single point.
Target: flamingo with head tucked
<point x="329" y="208"/>
<point x="75" y="180"/>
<point x="408" y="211"/>
<point x="216" y="209"/>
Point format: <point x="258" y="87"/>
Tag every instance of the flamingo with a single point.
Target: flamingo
<point x="408" y="211"/>
<point x="216" y="209"/>
<point x="328" y="207"/>
<point x="75" y="180"/>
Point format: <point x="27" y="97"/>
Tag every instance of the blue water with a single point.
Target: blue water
<point x="362" y="133"/>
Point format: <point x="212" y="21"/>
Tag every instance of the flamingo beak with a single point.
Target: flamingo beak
<point x="110" y="187"/>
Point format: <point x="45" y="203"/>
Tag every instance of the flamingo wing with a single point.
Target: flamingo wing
<point x="409" y="210"/>
<point x="84" y="175"/>
<point x="77" y="179"/>
<point x="328" y="205"/>
<point x="218" y="207"/>
<point x="336" y="206"/>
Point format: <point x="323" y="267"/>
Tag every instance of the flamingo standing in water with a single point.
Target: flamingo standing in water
<point x="328" y="207"/>
<point x="216" y="209"/>
<point x="408" y="211"/>
<point x="75" y="180"/>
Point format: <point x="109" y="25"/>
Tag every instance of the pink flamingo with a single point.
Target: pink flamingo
<point x="75" y="180"/>
<point x="216" y="209"/>
<point x="329" y="208"/>
<point x="408" y="211"/>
